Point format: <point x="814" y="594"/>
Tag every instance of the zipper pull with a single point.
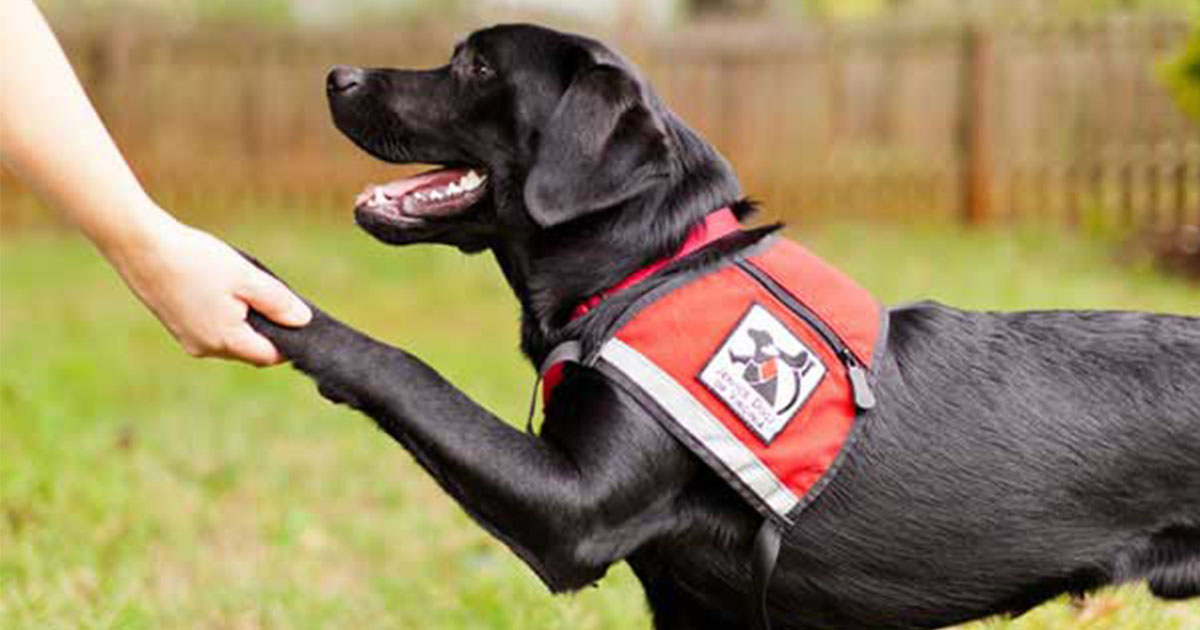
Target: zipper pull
<point x="864" y="398"/>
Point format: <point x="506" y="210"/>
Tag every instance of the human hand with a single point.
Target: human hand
<point x="201" y="289"/>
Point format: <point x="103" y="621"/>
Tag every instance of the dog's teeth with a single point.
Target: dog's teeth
<point x="453" y="189"/>
<point x="378" y="198"/>
<point x="471" y="180"/>
<point x="435" y="194"/>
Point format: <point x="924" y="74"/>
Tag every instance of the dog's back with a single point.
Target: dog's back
<point x="1012" y="457"/>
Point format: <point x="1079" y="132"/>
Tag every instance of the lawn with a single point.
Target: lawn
<point x="141" y="489"/>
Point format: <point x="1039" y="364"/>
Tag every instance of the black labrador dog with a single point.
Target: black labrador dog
<point x="1012" y="457"/>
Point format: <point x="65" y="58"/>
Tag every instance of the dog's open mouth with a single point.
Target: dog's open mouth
<point x="441" y="193"/>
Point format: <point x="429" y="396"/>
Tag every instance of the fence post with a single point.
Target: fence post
<point x="974" y="126"/>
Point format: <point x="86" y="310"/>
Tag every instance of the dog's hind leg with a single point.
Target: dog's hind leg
<point x="1177" y="581"/>
<point x="1178" y="575"/>
<point x="1170" y="562"/>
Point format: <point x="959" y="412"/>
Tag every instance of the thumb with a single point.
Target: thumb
<point x="245" y="344"/>
<point x="275" y="301"/>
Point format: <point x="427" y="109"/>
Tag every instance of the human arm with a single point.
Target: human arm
<point x="50" y="136"/>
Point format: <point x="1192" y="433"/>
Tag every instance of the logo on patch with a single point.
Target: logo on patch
<point x="763" y="372"/>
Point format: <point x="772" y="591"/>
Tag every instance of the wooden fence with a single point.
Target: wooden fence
<point x="1048" y="121"/>
<point x="1063" y="122"/>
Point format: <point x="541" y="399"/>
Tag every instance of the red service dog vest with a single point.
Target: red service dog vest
<point x="759" y="366"/>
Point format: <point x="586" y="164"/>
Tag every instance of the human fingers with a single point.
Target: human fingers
<point x="275" y="301"/>
<point x="244" y="344"/>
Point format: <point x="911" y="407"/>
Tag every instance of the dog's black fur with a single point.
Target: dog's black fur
<point x="1012" y="456"/>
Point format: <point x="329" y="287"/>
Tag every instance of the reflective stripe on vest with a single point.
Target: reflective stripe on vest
<point x="701" y="425"/>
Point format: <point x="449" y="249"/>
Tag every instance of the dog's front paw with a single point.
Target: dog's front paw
<point x="321" y="349"/>
<point x="313" y="348"/>
<point x="291" y="341"/>
<point x="288" y="340"/>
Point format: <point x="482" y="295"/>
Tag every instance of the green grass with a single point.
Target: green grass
<point x="141" y="489"/>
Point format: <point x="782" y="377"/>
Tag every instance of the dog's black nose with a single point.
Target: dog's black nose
<point x="343" y="79"/>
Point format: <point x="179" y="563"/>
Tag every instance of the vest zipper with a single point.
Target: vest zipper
<point x="860" y="389"/>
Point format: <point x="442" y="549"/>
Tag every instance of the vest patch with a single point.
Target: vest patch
<point x="763" y="372"/>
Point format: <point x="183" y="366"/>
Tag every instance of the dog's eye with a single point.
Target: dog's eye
<point x="480" y="68"/>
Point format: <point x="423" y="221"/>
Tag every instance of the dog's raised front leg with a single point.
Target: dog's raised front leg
<point x="562" y="507"/>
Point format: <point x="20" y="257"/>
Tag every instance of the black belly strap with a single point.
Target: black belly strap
<point x="762" y="565"/>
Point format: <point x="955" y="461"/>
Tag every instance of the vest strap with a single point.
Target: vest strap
<point x="566" y="351"/>
<point x="762" y="565"/>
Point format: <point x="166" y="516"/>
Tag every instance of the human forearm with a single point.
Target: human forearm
<point x="52" y="137"/>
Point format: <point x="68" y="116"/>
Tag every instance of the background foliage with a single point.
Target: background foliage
<point x="1183" y="75"/>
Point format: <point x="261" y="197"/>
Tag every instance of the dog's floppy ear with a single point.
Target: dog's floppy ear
<point x="603" y="145"/>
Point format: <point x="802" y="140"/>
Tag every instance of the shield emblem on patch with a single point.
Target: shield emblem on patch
<point x="763" y="372"/>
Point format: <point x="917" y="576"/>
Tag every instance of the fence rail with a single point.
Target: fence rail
<point x="1058" y="122"/>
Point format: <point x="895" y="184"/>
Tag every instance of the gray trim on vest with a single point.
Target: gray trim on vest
<point x="699" y="422"/>
<point x="881" y="339"/>
<point x="565" y="351"/>
<point x="570" y="350"/>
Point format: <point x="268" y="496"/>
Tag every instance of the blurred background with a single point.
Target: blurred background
<point x="993" y="154"/>
<point x="1064" y="113"/>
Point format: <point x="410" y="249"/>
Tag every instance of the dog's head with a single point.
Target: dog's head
<point x="534" y="129"/>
